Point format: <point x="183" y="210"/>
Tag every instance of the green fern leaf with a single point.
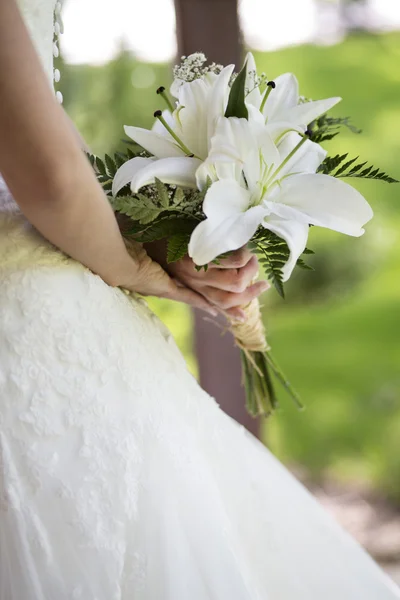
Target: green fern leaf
<point x="273" y="254"/>
<point x="91" y="158"/>
<point x="139" y="208"/>
<point x="179" y="196"/>
<point x="162" y="192"/>
<point x="330" y="163"/>
<point x="303" y="265"/>
<point x="177" y="247"/>
<point x="101" y="168"/>
<point x="165" y="228"/>
<point x="119" y="159"/>
<point x="111" y="166"/>
<point x="326" y="128"/>
<point x="346" y="165"/>
<point x="333" y="166"/>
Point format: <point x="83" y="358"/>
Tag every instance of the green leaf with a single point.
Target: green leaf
<point x="139" y="208"/>
<point x="346" y="165"/>
<point x="326" y="128"/>
<point x="333" y="166"/>
<point x="273" y="254"/>
<point x="303" y="265"/>
<point x="111" y="166"/>
<point x="177" y="247"/>
<point x="101" y="167"/>
<point x="236" y="102"/>
<point x="179" y="196"/>
<point x="330" y="163"/>
<point x="162" y="192"/>
<point x="119" y="159"/>
<point x="91" y="158"/>
<point x="165" y="228"/>
<point x="201" y="267"/>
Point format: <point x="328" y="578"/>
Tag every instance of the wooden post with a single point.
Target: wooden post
<point x="212" y="27"/>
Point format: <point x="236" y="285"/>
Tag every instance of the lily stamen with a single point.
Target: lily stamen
<point x="158" y="114"/>
<point x="270" y="86"/>
<point x="286" y="160"/>
<point x="161" y="92"/>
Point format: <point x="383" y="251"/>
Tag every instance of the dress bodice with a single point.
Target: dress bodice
<point x="39" y="18"/>
<point x="43" y="23"/>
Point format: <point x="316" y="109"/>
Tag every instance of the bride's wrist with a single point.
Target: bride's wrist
<point x="124" y="274"/>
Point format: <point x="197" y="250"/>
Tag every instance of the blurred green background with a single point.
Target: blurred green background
<point x="336" y="334"/>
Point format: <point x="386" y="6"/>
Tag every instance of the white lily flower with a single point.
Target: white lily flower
<point x="260" y="183"/>
<point x="281" y="103"/>
<point x="184" y="135"/>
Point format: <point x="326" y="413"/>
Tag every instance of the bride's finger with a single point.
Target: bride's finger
<point x="180" y="293"/>
<point x="236" y="260"/>
<point x="232" y="280"/>
<point x="227" y="300"/>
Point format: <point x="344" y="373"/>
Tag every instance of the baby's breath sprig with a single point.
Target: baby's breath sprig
<point x="255" y="81"/>
<point x="193" y="67"/>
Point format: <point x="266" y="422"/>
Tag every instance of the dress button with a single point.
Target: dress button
<point x="57" y="75"/>
<point x="57" y="28"/>
<point x="56" y="52"/>
<point x="59" y="97"/>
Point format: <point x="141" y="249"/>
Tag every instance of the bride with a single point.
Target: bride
<point x="120" y="479"/>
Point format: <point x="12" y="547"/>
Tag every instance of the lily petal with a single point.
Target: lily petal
<point x="175" y="87"/>
<point x="241" y="141"/>
<point x="193" y="116"/>
<point x="158" y="145"/>
<point x="233" y="140"/>
<point x="158" y="127"/>
<point x="255" y="116"/>
<point x="205" y="172"/>
<point x="210" y="239"/>
<point x="127" y="171"/>
<point x="277" y="129"/>
<point x="285" y="95"/>
<point x="228" y="226"/>
<point x="295" y="234"/>
<point x="325" y="201"/>
<point x="224" y="199"/>
<point x="179" y="171"/>
<point x="307" y="158"/>
<point x="303" y="114"/>
<point x="218" y="99"/>
<point x="253" y="98"/>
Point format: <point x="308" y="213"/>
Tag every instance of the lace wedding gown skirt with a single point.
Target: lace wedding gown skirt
<point x="120" y="479"/>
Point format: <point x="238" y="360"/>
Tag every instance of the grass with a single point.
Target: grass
<point x="337" y="334"/>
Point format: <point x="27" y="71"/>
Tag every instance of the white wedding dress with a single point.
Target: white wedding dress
<point x="120" y="479"/>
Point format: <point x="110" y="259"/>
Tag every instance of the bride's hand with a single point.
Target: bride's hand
<point x="148" y="278"/>
<point x="226" y="286"/>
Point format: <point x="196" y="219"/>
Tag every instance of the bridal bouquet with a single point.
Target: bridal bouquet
<point x="236" y="159"/>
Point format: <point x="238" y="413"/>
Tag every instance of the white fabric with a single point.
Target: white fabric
<point x="39" y="18"/>
<point x="120" y="479"/>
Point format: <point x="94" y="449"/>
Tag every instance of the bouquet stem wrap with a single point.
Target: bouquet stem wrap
<point x="257" y="362"/>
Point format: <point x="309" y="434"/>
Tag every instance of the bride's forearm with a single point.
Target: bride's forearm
<point x="78" y="219"/>
<point x="43" y="164"/>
